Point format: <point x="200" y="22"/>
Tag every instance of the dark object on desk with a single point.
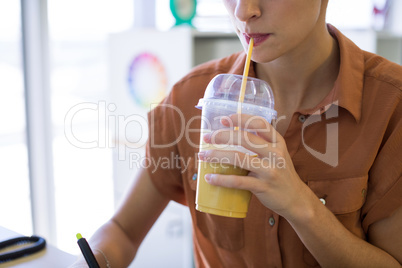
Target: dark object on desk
<point x="34" y="244"/>
<point x="87" y="252"/>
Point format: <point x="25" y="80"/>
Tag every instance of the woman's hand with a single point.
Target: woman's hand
<point x="272" y="177"/>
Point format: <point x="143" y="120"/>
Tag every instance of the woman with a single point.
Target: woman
<point x="337" y="200"/>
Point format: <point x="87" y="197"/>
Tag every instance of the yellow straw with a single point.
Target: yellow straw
<point x="244" y="80"/>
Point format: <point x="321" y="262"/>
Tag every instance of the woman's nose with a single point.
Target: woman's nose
<point x="247" y="9"/>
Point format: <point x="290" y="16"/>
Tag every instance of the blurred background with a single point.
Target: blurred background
<point x="75" y="89"/>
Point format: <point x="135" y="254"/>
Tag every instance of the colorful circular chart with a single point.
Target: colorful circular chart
<point x="147" y="79"/>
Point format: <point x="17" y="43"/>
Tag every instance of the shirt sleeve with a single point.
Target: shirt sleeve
<point x="384" y="193"/>
<point x="164" y="123"/>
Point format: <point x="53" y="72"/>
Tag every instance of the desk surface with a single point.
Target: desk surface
<point x="49" y="257"/>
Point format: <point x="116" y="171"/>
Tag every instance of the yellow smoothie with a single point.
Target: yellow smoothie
<point x="225" y="95"/>
<point x="220" y="200"/>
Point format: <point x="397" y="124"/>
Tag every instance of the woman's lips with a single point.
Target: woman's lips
<point x="258" y="38"/>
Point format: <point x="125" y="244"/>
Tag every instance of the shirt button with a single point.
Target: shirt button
<point x="364" y="192"/>
<point x="271" y="221"/>
<point x="323" y="201"/>
<point x="194" y="176"/>
<point x="302" y="118"/>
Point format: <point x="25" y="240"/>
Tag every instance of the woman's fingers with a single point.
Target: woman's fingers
<point x="259" y="166"/>
<point x="233" y="181"/>
<point x="250" y="141"/>
<point x="252" y="123"/>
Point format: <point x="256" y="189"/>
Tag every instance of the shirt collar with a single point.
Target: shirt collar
<point x="348" y="87"/>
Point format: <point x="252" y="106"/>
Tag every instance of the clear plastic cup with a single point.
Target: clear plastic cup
<point x="221" y="100"/>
